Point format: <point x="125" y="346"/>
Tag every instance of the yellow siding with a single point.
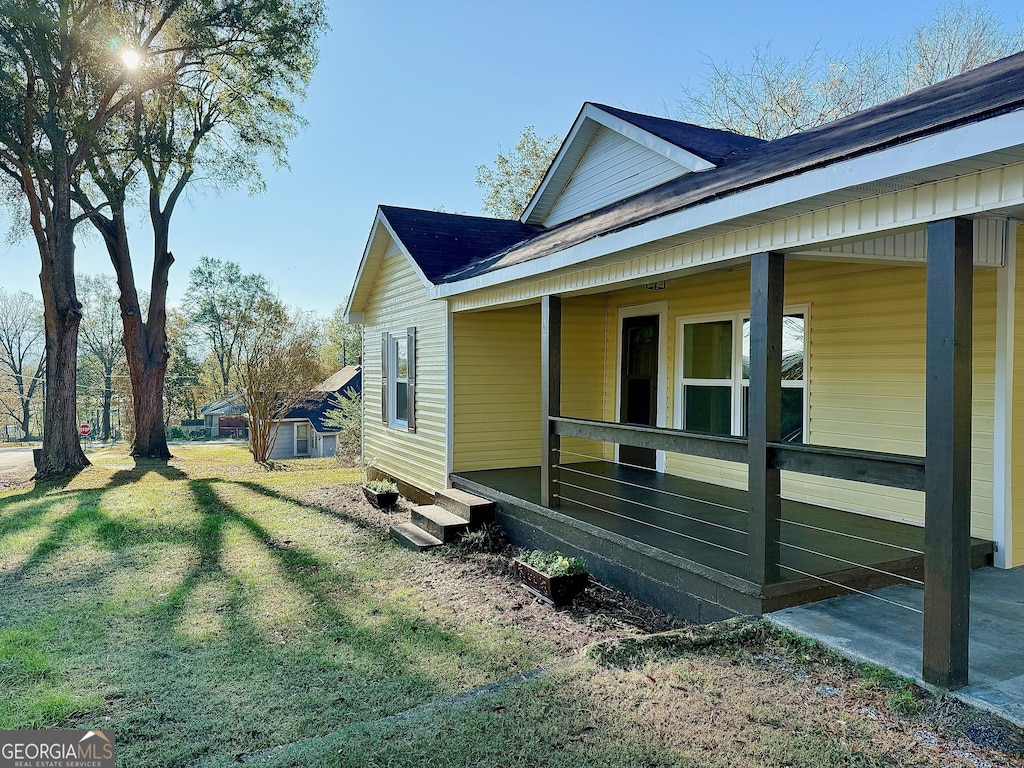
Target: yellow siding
<point x="866" y="360"/>
<point x="398" y="301"/>
<point x="866" y="374"/>
<point x="1017" y="479"/>
<point x="585" y="356"/>
<point x="497" y="389"/>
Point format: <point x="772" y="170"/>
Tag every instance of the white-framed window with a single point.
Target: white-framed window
<point x="398" y="379"/>
<point x="714" y="374"/>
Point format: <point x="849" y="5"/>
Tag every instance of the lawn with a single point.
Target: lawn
<point x="212" y="613"/>
<point x="200" y="608"/>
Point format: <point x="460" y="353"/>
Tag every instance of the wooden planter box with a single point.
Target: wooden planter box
<point x="381" y="500"/>
<point x="556" y="590"/>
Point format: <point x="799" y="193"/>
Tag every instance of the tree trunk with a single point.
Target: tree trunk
<point x="26" y="418"/>
<point x="62" y="451"/>
<point x="108" y="396"/>
<point x="145" y="339"/>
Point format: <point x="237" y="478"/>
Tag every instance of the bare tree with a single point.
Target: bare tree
<point x="22" y="354"/>
<point x="281" y="365"/>
<point x="957" y="38"/>
<point x="516" y="174"/>
<point x="102" y="353"/>
<point x="773" y="96"/>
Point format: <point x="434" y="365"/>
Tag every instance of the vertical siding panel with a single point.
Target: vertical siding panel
<point x="398" y="301"/>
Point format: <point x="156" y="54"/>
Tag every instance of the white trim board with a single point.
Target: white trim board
<point x="1002" y="436"/>
<point x="376" y="253"/>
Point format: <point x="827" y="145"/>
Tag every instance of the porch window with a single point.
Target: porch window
<point x="715" y="375"/>
<point x="398" y="379"/>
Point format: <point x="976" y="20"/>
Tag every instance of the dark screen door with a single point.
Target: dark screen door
<point x="639" y="383"/>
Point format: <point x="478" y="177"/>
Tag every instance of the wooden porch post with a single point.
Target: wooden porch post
<point x="764" y="420"/>
<point x="550" y="395"/>
<point x="947" y="556"/>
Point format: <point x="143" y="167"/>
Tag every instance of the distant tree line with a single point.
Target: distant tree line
<point x="231" y="335"/>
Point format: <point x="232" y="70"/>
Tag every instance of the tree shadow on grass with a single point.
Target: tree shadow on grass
<point x="262" y="490"/>
<point x="347" y="652"/>
<point x="336" y="667"/>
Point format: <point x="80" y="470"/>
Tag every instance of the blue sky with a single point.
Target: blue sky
<point x="410" y="97"/>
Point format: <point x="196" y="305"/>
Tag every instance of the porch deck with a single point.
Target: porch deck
<point x="692" y="537"/>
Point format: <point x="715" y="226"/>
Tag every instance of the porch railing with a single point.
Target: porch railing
<point x="948" y="382"/>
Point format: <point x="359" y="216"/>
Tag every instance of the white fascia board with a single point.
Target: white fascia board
<point x="349" y="310"/>
<point x="686" y="160"/>
<point x="676" y="154"/>
<point x="380" y="220"/>
<point x="994" y="134"/>
<point x="567" y="144"/>
<point x="416" y="267"/>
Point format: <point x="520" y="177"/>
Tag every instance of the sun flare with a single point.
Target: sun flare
<point x="131" y="59"/>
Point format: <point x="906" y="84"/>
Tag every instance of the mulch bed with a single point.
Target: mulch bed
<point x="465" y="581"/>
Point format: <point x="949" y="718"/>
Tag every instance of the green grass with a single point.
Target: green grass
<point x="201" y="608"/>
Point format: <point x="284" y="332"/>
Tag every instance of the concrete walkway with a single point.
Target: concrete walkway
<point x="865" y="629"/>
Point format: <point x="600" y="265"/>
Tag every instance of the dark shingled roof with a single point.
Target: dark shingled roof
<point x="441" y="243"/>
<point x="319" y="402"/>
<point x="314" y="408"/>
<point x="988" y="91"/>
<point x="714" y="145"/>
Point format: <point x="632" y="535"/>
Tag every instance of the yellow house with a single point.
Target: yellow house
<point x="737" y="375"/>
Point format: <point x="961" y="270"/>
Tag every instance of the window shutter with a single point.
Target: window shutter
<point x="411" y="332"/>
<point x="384" y="354"/>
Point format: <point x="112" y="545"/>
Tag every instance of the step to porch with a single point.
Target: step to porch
<point x="452" y="514"/>
<point x="413" y="537"/>
<point x="472" y="508"/>
<point x="439" y="522"/>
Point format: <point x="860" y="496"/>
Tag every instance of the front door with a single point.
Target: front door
<point x="639" y="383"/>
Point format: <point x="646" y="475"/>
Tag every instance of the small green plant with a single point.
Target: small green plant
<point x="382" y="485"/>
<point x="555" y="563"/>
<point x="902" y="697"/>
<point x="487" y="538"/>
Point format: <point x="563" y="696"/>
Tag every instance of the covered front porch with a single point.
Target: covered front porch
<point x="778" y="483"/>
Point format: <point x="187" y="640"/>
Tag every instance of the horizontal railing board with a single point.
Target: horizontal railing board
<point x="891" y="469"/>
<point x="657" y="438"/>
<point x="888" y="469"/>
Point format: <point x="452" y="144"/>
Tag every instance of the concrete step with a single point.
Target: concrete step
<point x="440" y="523"/>
<point x="472" y="508"/>
<point x="413" y="537"/>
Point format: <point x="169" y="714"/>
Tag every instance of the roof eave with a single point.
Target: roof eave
<point x="944" y="146"/>
<point x="370" y="263"/>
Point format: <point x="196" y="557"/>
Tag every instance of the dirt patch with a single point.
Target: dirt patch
<point x="483" y="584"/>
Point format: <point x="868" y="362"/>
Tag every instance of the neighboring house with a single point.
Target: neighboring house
<point x="225" y="417"/>
<point x="302" y="431"/>
<point x="609" y="368"/>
